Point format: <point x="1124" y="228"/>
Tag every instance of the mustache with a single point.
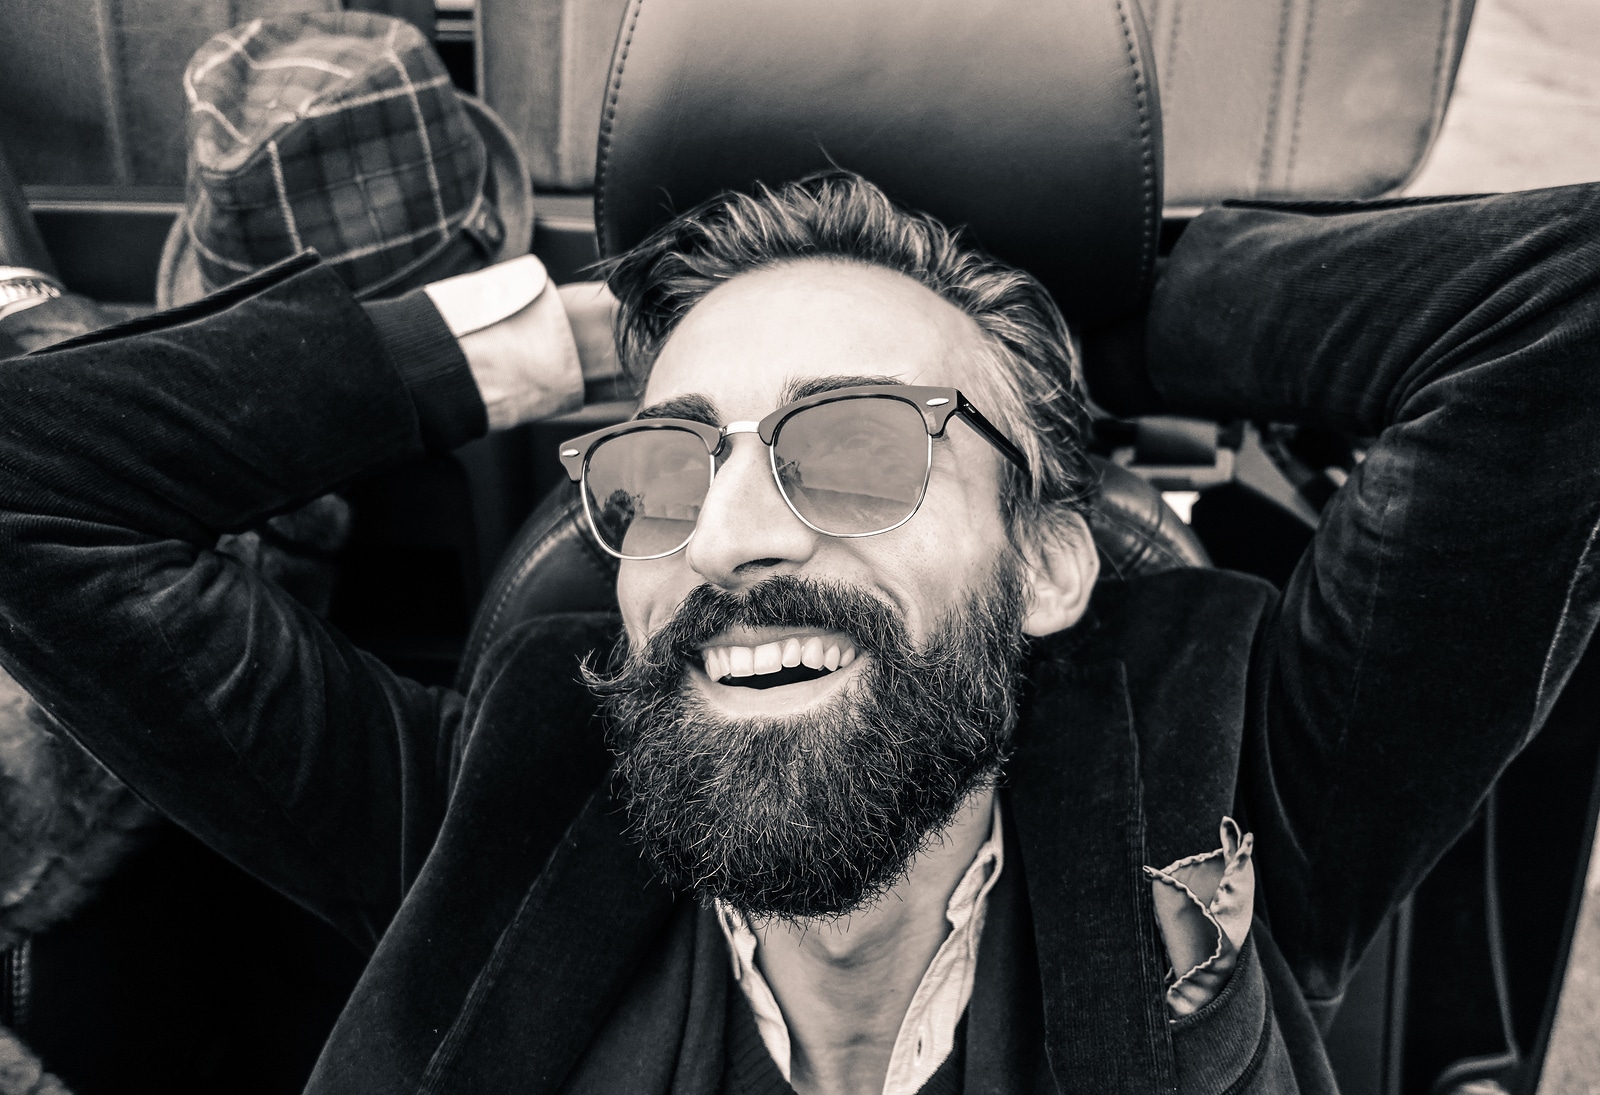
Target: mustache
<point x="784" y="600"/>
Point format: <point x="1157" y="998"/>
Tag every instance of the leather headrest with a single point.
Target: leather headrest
<point x="1034" y="124"/>
<point x="553" y="564"/>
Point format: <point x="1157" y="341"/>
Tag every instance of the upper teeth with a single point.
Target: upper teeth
<point x="748" y="661"/>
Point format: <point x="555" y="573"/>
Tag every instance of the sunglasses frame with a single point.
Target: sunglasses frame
<point x="935" y="404"/>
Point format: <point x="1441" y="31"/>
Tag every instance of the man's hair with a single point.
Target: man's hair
<point x="1033" y="394"/>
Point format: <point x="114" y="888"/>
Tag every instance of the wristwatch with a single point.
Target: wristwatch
<point x="21" y="288"/>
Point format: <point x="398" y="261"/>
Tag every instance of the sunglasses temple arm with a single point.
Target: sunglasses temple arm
<point x="994" y="436"/>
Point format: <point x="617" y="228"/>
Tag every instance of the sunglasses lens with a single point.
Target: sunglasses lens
<point x="854" y="466"/>
<point x="644" y="490"/>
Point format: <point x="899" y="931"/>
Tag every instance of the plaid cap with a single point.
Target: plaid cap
<point x="340" y="132"/>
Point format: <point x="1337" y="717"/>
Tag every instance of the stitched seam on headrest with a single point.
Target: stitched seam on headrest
<point x="483" y="637"/>
<point x="1269" y="139"/>
<point x="1147" y="157"/>
<point x="1149" y="543"/>
<point x="603" y="160"/>
<point x="1441" y="85"/>
<point x="1306" y="40"/>
<point x="533" y="553"/>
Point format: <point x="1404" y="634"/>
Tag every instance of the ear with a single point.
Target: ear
<point x="1059" y="575"/>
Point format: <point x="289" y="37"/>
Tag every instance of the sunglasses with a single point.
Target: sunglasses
<point x="849" y="462"/>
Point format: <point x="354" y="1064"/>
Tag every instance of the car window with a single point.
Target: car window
<point x="1525" y="111"/>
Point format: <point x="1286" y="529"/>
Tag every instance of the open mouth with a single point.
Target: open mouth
<point x="791" y="659"/>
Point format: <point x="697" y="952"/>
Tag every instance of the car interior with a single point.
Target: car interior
<point x="1076" y="139"/>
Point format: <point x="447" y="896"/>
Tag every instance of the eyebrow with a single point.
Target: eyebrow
<point x="800" y="388"/>
<point x="695" y="408"/>
<point x="698" y="408"/>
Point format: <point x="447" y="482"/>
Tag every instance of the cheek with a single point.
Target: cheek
<point x="635" y="593"/>
<point x="649" y="592"/>
<point x="963" y="502"/>
<point x="933" y="562"/>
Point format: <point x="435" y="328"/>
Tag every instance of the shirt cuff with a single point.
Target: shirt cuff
<point x="514" y="331"/>
<point x="546" y="378"/>
<point x="449" y="409"/>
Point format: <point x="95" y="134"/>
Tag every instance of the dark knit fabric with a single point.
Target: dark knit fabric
<point x="449" y="409"/>
<point x="950" y="1078"/>
<point x="750" y="1070"/>
<point x="1005" y="1039"/>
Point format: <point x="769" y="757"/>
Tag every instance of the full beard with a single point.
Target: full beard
<point x="820" y="813"/>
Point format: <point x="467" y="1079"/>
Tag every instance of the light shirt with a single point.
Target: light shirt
<point x="537" y="372"/>
<point x="927" y="1033"/>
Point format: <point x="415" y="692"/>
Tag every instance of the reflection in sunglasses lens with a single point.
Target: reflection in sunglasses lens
<point x="645" y="488"/>
<point x="854" y="466"/>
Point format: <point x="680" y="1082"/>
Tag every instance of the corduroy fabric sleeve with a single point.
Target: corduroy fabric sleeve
<point x="220" y="700"/>
<point x="444" y="395"/>
<point x="1452" y="585"/>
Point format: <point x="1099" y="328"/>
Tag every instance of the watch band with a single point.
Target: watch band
<point x="22" y="287"/>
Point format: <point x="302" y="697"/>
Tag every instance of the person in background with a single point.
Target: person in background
<point x="390" y="201"/>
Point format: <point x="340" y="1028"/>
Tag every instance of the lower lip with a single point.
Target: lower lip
<point x="780" y="699"/>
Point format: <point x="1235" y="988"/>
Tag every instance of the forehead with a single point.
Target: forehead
<point x="749" y="338"/>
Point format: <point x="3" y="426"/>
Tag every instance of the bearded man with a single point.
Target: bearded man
<point x="897" y="797"/>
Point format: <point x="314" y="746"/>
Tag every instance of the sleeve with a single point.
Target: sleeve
<point x="1452" y="585"/>
<point x="123" y="456"/>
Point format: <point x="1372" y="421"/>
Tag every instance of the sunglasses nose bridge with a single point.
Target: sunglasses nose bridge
<point x="745" y="517"/>
<point x="724" y="449"/>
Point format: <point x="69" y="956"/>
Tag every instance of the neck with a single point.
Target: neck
<point x="845" y="985"/>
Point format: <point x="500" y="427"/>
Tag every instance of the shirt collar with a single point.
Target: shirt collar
<point x="927" y="1033"/>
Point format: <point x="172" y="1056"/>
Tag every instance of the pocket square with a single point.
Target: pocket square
<point x="1203" y="905"/>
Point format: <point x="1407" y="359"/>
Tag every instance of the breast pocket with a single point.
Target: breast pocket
<point x="1232" y="1045"/>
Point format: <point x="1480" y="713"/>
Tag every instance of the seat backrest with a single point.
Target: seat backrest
<point x="1299" y="98"/>
<point x="554" y="565"/>
<point x="1292" y="98"/>
<point x="1033" y="125"/>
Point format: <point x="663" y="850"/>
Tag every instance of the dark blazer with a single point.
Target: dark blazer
<point x="468" y="842"/>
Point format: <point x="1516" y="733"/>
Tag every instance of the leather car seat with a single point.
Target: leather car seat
<point x="1036" y="126"/>
<point x="1033" y="125"/>
<point x="1296" y="98"/>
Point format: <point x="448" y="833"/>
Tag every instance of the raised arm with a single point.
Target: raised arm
<point x="1452" y="585"/>
<point x="122" y="457"/>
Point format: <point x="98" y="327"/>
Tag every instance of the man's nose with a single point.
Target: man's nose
<point x="746" y="530"/>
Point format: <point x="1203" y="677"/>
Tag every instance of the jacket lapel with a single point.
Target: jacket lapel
<point x="1076" y="797"/>
<point x="589" y="922"/>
